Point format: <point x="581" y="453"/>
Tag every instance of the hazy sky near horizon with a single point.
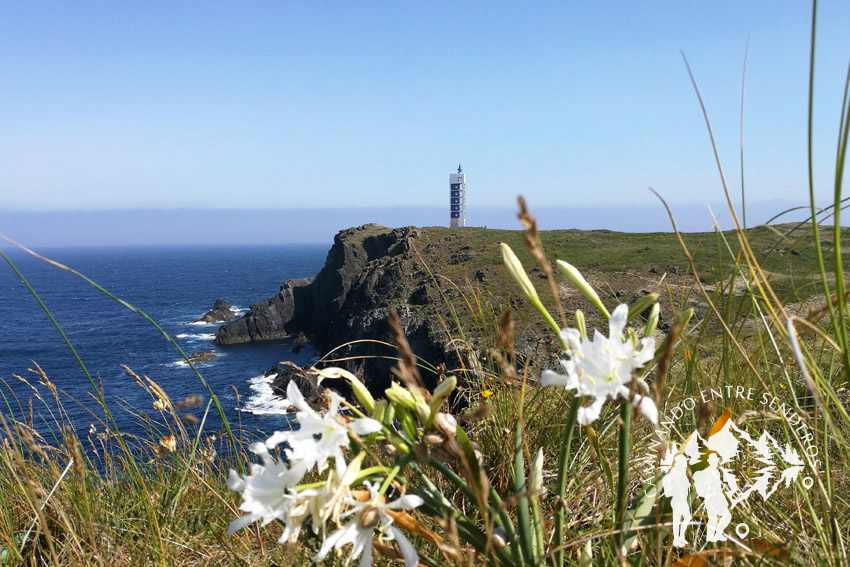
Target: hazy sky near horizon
<point x="167" y="105"/>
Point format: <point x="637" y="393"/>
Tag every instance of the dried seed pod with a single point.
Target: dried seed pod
<point x="446" y="424"/>
<point x="499" y="538"/>
<point x="433" y="439"/>
<point x="369" y="517"/>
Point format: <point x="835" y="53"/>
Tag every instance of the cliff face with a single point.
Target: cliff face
<point x="368" y="271"/>
<point x="372" y="269"/>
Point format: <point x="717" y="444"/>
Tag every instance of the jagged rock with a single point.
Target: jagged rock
<point x="364" y="276"/>
<point x="201" y="356"/>
<point x="267" y="319"/>
<point x="221" y="312"/>
<point x="307" y="384"/>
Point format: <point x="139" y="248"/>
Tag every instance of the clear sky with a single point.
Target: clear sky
<point x="245" y="105"/>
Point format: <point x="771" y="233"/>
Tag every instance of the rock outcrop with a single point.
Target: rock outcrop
<point x="201" y="356"/>
<point x="270" y="318"/>
<point x="221" y="312"/>
<point x="307" y="384"/>
<point x="369" y="270"/>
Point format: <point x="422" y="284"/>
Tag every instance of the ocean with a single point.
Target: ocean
<point x="175" y="286"/>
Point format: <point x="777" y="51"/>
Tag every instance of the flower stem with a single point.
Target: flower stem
<point x="563" y="467"/>
<point x="395" y="470"/>
<point x="523" y="518"/>
<point x="623" y="475"/>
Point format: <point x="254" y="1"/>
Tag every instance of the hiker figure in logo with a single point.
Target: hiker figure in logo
<point x="676" y="486"/>
<point x="708" y="484"/>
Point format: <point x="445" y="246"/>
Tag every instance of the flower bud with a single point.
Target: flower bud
<point x="360" y="391"/>
<point x="518" y="273"/>
<point x="580" y="323"/>
<point x="581" y="283"/>
<point x="423" y="411"/>
<point x="642" y="304"/>
<point x="652" y="321"/>
<point x="400" y="397"/>
<point x="442" y="392"/>
<point x="536" y="481"/>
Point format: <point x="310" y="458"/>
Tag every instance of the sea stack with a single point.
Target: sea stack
<point x="221" y="312"/>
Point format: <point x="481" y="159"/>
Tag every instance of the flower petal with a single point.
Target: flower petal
<point x="365" y="426"/>
<point x="590" y="413"/>
<point x="277" y="438"/>
<point x="646" y="352"/>
<point x="411" y="558"/>
<point x="235" y="482"/>
<point x="293" y="394"/>
<point x="406" y="502"/>
<point x="647" y="407"/>
<point x="552" y="378"/>
<point x="337" y="539"/>
<point x="240" y="523"/>
<point x="617" y="322"/>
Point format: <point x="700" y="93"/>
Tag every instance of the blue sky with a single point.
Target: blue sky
<point x="163" y="105"/>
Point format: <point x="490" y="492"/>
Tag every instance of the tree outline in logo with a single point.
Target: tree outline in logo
<point x="714" y="481"/>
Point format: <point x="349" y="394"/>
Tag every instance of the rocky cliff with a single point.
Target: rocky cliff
<point x="369" y="270"/>
<point x="372" y="269"/>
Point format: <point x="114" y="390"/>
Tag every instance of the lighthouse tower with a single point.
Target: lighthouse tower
<point x="457" y="198"/>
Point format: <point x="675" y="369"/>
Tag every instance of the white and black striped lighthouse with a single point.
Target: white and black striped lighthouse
<point x="457" y="198"/>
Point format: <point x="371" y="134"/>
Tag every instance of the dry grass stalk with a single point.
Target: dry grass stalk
<point x="531" y="237"/>
<point x="406" y="371"/>
<point x="505" y="342"/>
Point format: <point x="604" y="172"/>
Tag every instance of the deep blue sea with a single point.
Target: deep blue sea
<point x="173" y="285"/>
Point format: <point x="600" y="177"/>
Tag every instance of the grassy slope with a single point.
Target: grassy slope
<point x="621" y="266"/>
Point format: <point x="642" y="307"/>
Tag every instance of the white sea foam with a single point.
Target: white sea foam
<point x="202" y="323"/>
<point x="196" y="337"/>
<point x="263" y="400"/>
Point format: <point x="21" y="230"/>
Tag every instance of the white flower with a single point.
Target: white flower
<point x="602" y="367"/>
<point x="268" y="492"/>
<point x="368" y="516"/>
<point x="330" y="429"/>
